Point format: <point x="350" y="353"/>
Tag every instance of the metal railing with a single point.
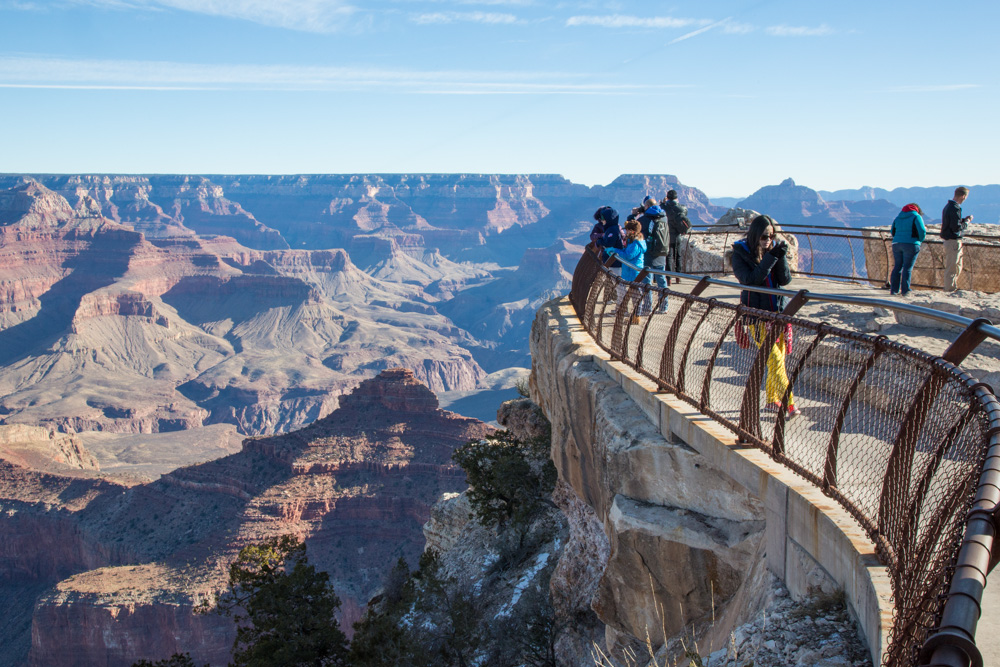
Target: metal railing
<point x="906" y="442"/>
<point x="863" y="255"/>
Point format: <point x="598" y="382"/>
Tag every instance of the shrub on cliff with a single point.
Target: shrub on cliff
<point x="446" y="634"/>
<point x="284" y="608"/>
<point x="510" y="479"/>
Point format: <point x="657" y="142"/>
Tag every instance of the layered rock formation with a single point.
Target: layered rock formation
<point x="143" y="304"/>
<point x="105" y="330"/>
<point x="132" y="562"/>
<point x="789" y="204"/>
<point x="44" y="449"/>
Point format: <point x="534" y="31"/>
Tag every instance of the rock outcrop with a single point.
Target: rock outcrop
<point x="44" y="449"/>
<point x="686" y="542"/>
<point x="789" y="203"/>
<point x="127" y="563"/>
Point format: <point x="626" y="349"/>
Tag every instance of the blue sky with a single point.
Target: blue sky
<point x="729" y="96"/>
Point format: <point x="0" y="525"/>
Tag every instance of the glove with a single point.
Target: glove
<point x="779" y="249"/>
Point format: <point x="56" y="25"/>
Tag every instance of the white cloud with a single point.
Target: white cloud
<point x="623" y="21"/>
<point x="304" y="15"/>
<point x="464" y="17"/>
<point x="694" y="33"/>
<point x="734" y="28"/>
<point x="799" y="31"/>
<point x="58" y="73"/>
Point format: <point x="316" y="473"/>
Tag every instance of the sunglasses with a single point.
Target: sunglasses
<point x="767" y="236"/>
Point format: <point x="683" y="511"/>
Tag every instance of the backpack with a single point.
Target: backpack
<point x="677" y="215"/>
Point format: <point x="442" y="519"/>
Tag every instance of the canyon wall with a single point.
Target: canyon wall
<point x="99" y="572"/>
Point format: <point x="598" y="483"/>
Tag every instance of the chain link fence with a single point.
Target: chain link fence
<point x="894" y="435"/>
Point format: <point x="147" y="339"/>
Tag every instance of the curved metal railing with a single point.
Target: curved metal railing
<point x="847" y="253"/>
<point x="905" y="441"/>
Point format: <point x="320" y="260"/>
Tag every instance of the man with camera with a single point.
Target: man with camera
<point x="953" y="227"/>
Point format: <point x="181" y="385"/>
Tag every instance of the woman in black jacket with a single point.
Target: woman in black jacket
<point x="761" y="259"/>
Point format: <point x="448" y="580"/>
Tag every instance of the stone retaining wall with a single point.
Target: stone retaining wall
<point x="694" y="519"/>
<point x="980" y="259"/>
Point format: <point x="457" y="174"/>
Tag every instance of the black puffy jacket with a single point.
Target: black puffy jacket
<point x="677" y="216"/>
<point x="771" y="272"/>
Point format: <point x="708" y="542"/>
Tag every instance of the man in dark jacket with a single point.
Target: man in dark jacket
<point x="654" y="227"/>
<point x="953" y="227"/>
<point x="677" y="220"/>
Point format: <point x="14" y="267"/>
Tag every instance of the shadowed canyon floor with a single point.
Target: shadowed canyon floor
<point x="123" y="565"/>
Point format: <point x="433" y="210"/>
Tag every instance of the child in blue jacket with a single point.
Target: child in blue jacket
<point x="635" y="250"/>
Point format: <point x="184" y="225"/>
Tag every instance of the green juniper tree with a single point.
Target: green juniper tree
<point x="510" y="479"/>
<point x="284" y="609"/>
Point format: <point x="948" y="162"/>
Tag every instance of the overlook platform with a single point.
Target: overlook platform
<point x="984" y="363"/>
<point x="931" y="337"/>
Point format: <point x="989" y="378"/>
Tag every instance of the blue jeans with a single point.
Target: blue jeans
<point x="904" y="256"/>
<point x="659" y="263"/>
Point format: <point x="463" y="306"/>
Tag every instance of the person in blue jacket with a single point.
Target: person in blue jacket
<point x="634" y="252"/>
<point x="908" y="231"/>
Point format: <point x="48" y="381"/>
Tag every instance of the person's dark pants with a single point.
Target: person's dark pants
<point x="675" y="255"/>
<point x="904" y="256"/>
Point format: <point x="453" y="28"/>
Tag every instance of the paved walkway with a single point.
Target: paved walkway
<point x="931" y="340"/>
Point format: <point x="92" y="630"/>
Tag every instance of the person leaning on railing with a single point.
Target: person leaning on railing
<point x="908" y="231"/>
<point x="633" y="253"/>
<point x="607" y="233"/>
<point x="760" y="259"/>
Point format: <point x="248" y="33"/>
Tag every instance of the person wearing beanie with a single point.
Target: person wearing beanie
<point x="679" y="225"/>
<point x="653" y="223"/>
<point x="607" y="233"/>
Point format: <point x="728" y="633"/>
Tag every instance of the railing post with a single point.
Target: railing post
<point x="666" y="371"/>
<point x="966" y="342"/>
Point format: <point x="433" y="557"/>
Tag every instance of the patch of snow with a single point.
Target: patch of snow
<point x="522" y="584"/>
